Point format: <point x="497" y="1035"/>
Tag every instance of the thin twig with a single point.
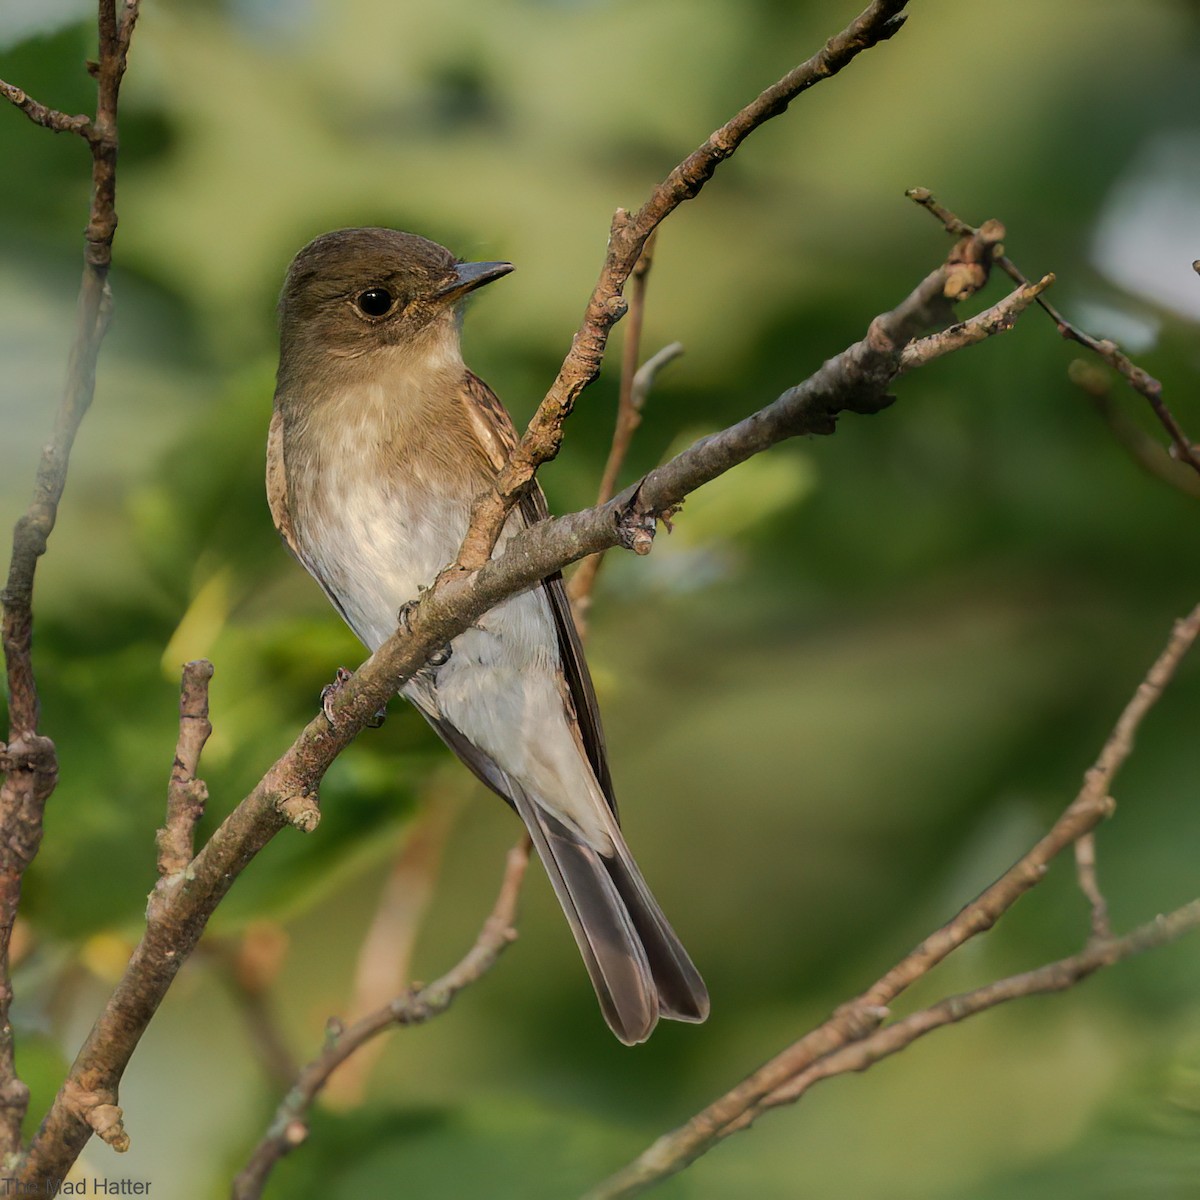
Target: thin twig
<point x="30" y="760"/>
<point x="1000" y="318"/>
<point x="860" y="1018"/>
<point x="1053" y="977"/>
<point x="629" y="416"/>
<point x="1141" y="381"/>
<point x="40" y="114"/>
<point x="290" y="1125"/>
<point x="629" y="410"/>
<point x="627" y="237"/>
<point x="1148" y="452"/>
<point x="583" y="581"/>
<point x="1089" y="885"/>
<point x="186" y="794"/>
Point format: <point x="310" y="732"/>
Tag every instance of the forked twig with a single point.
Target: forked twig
<point x="1141" y="381"/>
<point x="29" y="761"/>
<point x="636" y="383"/>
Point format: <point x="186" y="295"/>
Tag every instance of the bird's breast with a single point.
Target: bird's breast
<point x="372" y="512"/>
<point x="376" y="541"/>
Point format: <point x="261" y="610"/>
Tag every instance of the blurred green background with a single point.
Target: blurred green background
<point x="861" y="677"/>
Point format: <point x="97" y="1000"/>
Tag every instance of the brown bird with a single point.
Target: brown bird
<point x="379" y="441"/>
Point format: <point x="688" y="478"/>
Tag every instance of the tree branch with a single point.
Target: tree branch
<point x="186" y="795"/>
<point x="635" y="388"/>
<point x="1000" y="318"/>
<point x="1053" y="977"/>
<point x="40" y="114"/>
<point x="881" y="20"/>
<point x="1089" y="885"/>
<point x="1148" y="452"/>
<point x="856" y="1024"/>
<point x="30" y="761"/>
<point x="289" y="1128"/>
<point x="1141" y="381"/>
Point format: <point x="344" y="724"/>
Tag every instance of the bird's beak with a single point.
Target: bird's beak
<point x="471" y="275"/>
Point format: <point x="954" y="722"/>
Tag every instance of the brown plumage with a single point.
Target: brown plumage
<point x="380" y="439"/>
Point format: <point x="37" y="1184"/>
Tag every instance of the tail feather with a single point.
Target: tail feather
<point x="637" y="965"/>
<point x="682" y="995"/>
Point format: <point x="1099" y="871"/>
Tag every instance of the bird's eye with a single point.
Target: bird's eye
<point x="374" y="302"/>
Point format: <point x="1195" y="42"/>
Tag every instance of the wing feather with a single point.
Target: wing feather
<point x="281" y="513"/>
<point x="498" y="436"/>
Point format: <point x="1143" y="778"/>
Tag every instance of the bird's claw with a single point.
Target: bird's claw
<point x="330" y="690"/>
<point x="439" y="658"/>
<point x="406" y="611"/>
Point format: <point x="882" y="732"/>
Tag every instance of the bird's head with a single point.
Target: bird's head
<point x="356" y="291"/>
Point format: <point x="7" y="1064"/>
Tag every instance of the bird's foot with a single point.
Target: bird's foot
<point x="439" y="658"/>
<point x="406" y="611"/>
<point x="330" y="690"/>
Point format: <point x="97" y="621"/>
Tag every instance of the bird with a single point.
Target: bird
<point x="379" y="441"/>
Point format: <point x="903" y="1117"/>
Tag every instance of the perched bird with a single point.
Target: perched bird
<point x="379" y="441"/>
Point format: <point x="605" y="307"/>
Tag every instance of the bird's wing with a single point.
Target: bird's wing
<point x="277" y="501"/>
<point x="494" y="429"/>
<point x="277" y="490"/>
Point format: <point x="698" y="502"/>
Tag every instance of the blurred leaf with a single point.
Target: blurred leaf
<point x="1144" y="1147"/>
<point x="492" y="1147"/>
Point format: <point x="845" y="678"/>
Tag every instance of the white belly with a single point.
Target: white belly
<point x="502" y="685"/>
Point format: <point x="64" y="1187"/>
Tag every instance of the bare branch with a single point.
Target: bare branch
<point x="129" y="16"/>
<point x="858" y="1020"/>
<point x="1089" y="885"/>
<point x="1141" y="381"/>
<point x="1000" y="318"/>
<point x="647" y="373"/>
<point x="1053" y="977"/>
<point x="289" y="1128"/>
<point x="629" y="404"/>
<point x="30" y="760"/>
<point x="635" y="387"/>
<point x="186" y="795"/>
<point x="40" y="114"/>
<point x="627" y="238"/>
<point x="583" y="581"/>
<point x="1148" y="452"/>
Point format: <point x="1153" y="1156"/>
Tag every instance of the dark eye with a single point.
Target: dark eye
<point x="374" y="302"/>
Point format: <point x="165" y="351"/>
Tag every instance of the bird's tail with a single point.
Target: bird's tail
<point x="637" y="965"/>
